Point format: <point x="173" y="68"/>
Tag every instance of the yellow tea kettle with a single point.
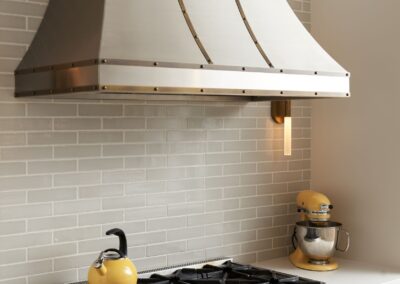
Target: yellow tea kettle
<point x="113" y="265"/>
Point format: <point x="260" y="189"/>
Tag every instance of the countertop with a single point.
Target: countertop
<point x="349" y="272"/>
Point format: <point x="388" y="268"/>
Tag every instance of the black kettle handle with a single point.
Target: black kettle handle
<point x="123" y="246"/>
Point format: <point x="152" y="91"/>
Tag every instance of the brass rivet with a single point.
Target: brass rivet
<point x="244" y="91"/>
<point x="155" y="63"/>
<point x="202" y="90"/>
<point x="104" y="87"/>
<point x="155" y="89"/>
<point x="104" y="61"/>
<point x="316" y="93"/>
<point x="281" y="93"/>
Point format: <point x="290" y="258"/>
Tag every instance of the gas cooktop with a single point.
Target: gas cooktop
<point x="227" y="273"/>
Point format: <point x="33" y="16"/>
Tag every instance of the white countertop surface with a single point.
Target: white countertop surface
<point x="349" y="272"/>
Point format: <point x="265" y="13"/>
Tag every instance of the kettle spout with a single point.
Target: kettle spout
<point x="99" y="265"/>
<point x="102" y="270"/>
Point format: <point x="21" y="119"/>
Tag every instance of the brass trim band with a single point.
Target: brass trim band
<point x="144" y="63"/>
<point x="253" y="36"/>
<point x="193" y="31"/>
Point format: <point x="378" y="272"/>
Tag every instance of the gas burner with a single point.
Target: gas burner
<point x="228" y="273"/>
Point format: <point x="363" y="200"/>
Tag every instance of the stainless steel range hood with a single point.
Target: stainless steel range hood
<point x="121" y="49"/>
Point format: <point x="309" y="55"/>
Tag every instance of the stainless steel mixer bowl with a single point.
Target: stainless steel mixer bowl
<point x="319" y="240"/>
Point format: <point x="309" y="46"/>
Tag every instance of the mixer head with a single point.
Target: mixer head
<point x="313" y="206"/>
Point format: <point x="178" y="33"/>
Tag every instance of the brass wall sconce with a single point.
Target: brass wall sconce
<point x="281" y="112"/>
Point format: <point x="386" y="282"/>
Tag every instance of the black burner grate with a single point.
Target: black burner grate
<point x="228" y="273"/>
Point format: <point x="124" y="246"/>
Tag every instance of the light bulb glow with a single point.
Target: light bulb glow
<point x="287" y="139"/>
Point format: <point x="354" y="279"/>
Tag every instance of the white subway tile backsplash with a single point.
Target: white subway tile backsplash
<point x="100" y="110"/>
<point x="76" y="123"/>
<point x="185" y="233"/>
<point x="77" y="234"/>
<point x="77" y="151"/>
<point x="12" y="256"/>
<point x="25" y="182"/>
<point x="185" y="180"/>
<point x="124" y="202"/>
<point x="52" y="223"/>
<point x="99" y="191"/>
<point x="124" y="150"/>
<point x="42" y="167"/>
<point x="25" y="124"/>
<point x="26" y="153"/>
<point x="12" y="139"/>
<point x="166" y="223"/>
<point x="45" y="252"/>
<point x="12" y="168"/>
<point x="124" y="123"/>
<point x="76" y="179"/>
<point x="131" y="227"/>
<point x="12" y="227"/>
<point x="100" y="164"/>
<point x="51" y="109"/>
<point x="23" y="269"/>
<point x="51" y="138"/>
<point x="99" y="218"/>
<point x="14" y="281"/>
<point x="46" y="195"/>
<point x="145" y="136"/>
<point x="123" y="176"/>
<point x="98" y="137"/>
<point x="12" y="197"/>
<point x="145" y="213"/>
<point x="78" y="206"/>
<point x="68" y="276"/>
<point x="166" y="248"/>
<point x="24" y="241"/>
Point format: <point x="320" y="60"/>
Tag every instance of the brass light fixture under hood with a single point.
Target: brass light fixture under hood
<point x="177" y="49"/>
<point x="281" y="112"/>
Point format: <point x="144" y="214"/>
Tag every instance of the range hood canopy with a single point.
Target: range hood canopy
<point x="112" y="49"/>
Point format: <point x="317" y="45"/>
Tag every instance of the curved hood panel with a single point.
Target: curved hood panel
<point x="242" y="48"/>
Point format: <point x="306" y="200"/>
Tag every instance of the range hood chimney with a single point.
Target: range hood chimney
<point x="122" y="49"/>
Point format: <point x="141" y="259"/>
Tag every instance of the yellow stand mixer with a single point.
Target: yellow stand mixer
<point x="315" y="238"/>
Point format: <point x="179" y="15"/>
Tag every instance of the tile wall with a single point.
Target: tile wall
<point x="187" y="181"/>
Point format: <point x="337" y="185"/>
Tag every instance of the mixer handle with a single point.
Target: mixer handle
<point x="348" y="241"/>
<point x="294" y="239"/>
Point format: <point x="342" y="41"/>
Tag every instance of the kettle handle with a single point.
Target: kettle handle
<point x="123" y="246"/>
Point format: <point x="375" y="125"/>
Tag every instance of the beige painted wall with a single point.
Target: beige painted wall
<point x="355" y="142"/>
